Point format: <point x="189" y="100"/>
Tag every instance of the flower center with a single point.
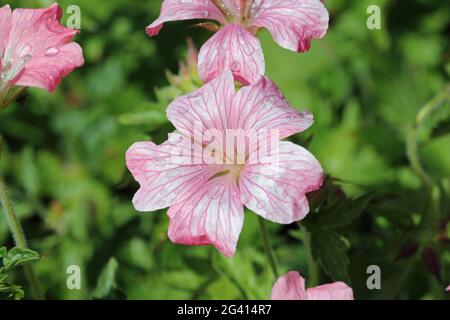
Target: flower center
<point x="231" y="170"/>
<point x="241" y="16"/>
<point x="10" y="71"/>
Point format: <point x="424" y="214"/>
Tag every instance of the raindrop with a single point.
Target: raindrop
<point x="235" y="67"/>
<point x="25" y="52"/>
<point x="51" y="52"/>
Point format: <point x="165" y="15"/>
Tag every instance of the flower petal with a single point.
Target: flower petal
<point x="276" y="187"/>
<point x="291" y="286"/>
<point x="212" y="215"/>
<point x="262" y="106"/>
<point x="41" y="48"/>
<point x="233" y="48"/>
<point x="174" y="10"/>
<point x="5" y="26"/>
<point x="332" y="291"/>
<point x="209" y="106"/>
<point x="293" y="23"/>
<point x="163" y="180"/>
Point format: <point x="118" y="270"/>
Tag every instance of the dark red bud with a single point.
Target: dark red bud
<point x="432" y="262"/>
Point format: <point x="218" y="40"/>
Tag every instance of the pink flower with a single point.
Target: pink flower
<point x="207" y="200"/>
<point x="293" y="24"/>
<point x="291" y="286"/>
<point x="35" y="49"/>
<point x="448" y="288"/>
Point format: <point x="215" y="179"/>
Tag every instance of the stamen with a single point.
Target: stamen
<point x="246" y="9"/>
<point x="208" y="26"/>
<point x="222" y="7"/>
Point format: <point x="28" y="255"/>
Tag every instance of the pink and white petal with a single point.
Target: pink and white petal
<point x="448" y="288"/>
<point x="262" y="106"/>
<point x="232" y="48"/>
<point x="213" y="214"/>
<point x="175" y="10"/>
<point x="47" y="72"/>
<point x="276" y="187"/>
<point x="291" y="286"/>
<point x="332" y="291"/>
<point x="5" y="26"/>
<point x="293" y="24"/>
<point x="163" y="179"/>
<point x="41" y="48"/>
<point x="206" y="108"/>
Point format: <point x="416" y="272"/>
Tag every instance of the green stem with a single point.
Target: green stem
<point x="17" y="232"/>
<point x="268" y="247"/>
<point x="411" y="141"/>
<point x="313" y="268"/>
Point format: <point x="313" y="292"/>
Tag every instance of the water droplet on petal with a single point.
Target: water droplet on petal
<point x="27" y="57"/>
<point x="205" y="14"/>
<point x="25" y="52"/>
<point x="51" y="52"/>
<point x="235" y="67"/>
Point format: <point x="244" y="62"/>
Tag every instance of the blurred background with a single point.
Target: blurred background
<point x="64" y="159"/>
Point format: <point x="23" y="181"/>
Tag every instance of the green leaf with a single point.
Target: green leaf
<point x="330" y="250"/>
<point x="150" y="118"/>
<point x="107" y="281"/>
<point x="3" y="252"/>
<point x="343" y="213"/>
<point x="28" y="172"/>
<point x="18" y="256"/>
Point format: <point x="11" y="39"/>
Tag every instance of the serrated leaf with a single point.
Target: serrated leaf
<point x="107" y="280"/>
<point x="342" y="213"/>
<point x="17" y="256"/>
<point x="330" y="250"/>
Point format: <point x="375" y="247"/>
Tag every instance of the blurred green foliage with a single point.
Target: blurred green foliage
<point x="64" y="159"/>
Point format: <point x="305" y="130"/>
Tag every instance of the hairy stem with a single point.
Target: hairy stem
<point x="412" y="143"/>
<point x="17" y="232"/>
<point x="268" y="247"/>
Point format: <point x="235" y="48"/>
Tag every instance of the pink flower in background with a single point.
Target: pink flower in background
<point x="291" y="286"/>
<point x="293" y="24"/>
<point x="35" y="49"/>
<point x="448" y="288"/>
<point x="207" y="200"/>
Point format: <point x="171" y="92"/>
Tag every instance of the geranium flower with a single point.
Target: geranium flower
<point x="291" y="286"/>
<point x="207" y="200"/>
<point x="292" y="23"/>
<point x="35" y="49"/>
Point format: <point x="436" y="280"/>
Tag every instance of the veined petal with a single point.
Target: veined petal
<point x="5" y="26"/>
<point x="233" y="48"/>
<point x="293" y="24"/>
<point x="175" y="10"/>
<point x="39" y="50"/>
<point x="262" y="106"/>
<point x="213" y="215"/>
<point x="163" y="180"/>
<point x="276" y="187"/>
<point x="291" y="286"/>
<point x="46" y="73"/>
<point x="331" y="291"/>
<point x="207" y="107"/>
